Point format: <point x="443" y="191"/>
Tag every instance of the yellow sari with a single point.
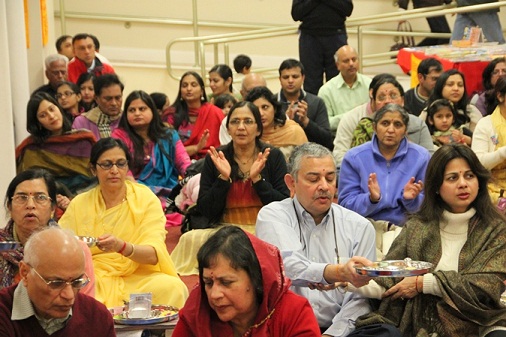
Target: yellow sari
<point x="138" y="220"/>
<point x="498" y="180"/>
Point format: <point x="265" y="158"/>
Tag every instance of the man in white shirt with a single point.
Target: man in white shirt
<point x="320" y="241"/>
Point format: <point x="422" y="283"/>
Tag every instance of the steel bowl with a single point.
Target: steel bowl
<point x="89" y="240"/>
<point x="9" y="245"/>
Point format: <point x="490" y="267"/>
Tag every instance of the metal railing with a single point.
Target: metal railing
<point x="355" y="26"/>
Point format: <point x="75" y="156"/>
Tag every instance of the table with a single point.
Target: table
<point x="469" y="61"/>
<point x="167" y="326"/>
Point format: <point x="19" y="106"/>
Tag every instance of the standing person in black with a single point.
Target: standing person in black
<point x="437" y="24"/>
<point x="321" y="33"/>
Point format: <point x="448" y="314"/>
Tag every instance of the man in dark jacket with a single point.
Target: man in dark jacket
<point x="322" y="32"/>
<point x="437" y="24"/>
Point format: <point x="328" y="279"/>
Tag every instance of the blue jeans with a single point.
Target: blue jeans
<point x="487" y="20"/>
<point x="316" y="54"/>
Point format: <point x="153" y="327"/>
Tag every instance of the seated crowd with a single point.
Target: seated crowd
<point x="287" y="191"/>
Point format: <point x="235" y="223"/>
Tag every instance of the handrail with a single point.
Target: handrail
<point x="353" y="25"/>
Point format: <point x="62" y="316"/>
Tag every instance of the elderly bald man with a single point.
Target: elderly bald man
<point x="347" y="90"/>
<point x="47" y="300"/>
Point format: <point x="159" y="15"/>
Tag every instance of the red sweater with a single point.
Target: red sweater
<point x="89" y="318"/>
<point x="77" y="67"/>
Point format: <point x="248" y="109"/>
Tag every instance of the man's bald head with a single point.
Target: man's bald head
<point x="251" y="81"/>
<point x="347" y="63"/>
<point x="51" y="245"/>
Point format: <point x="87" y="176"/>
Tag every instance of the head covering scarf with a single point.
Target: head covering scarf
<point x="205" y="323"/>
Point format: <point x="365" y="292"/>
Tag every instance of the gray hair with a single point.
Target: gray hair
<point x="55" y="57"/>
<point x="306" y="150"/>
<point x="392" y="107"/>
<point x="54" y="236"/>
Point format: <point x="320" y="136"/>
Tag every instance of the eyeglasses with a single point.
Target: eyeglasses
<point x="246" y="121"/>
<point x="393" y="96"/>
<point x="22" y="199"/>
<point x="58" y="72"/>
<point x="107" y="165"/>
<point x="77" y="283"/>
<point x="65" y="94"/>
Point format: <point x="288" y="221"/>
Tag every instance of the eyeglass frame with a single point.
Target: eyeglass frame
<point x="15" y="199"/>
<point x="118" y="164"/>
<point x="245" y="122"/>
<point x="62" y="283"/>
<point x="66" y="94"/>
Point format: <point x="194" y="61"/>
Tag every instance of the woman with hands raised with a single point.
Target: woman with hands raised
<point x="237" y="179"/>
<point x="382" y="179"/>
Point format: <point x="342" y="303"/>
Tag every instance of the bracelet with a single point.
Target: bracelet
<point x="416" y="284"/>
<point x="122" y="248"/>
<point x="132" y="253"/>
<point x="223" y="178"/>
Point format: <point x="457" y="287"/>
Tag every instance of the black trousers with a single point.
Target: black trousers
<point x="381" y="330"/>
<point x="437" y="24"/>
<point x="316" y="54"/>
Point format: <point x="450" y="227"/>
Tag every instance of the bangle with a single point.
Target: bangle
<point x="122" y="248"/>
<point x="224" y="179"/>
<point x="132" y="253"/>
<point x="416" y="284"/>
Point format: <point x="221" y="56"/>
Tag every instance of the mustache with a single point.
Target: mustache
<point x="323" y="195"/>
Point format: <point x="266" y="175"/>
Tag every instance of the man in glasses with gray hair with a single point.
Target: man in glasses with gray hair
<point x="47" y="300"/>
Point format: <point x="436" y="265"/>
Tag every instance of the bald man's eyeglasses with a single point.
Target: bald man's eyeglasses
<point x="77" y="283"/>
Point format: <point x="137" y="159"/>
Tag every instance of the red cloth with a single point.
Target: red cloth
<point x="89" y="318"/>
<point x="77" y="67"/>
<point x="282" y="313"/>
<point x="472" y="70"/>
<point x="209" y="117"/>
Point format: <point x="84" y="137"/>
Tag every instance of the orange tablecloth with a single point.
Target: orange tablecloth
<point x="408" y="59"/>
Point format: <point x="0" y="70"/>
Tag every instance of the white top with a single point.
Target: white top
<point x="484" y="142"/>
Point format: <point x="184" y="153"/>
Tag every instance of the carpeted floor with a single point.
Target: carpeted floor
<point x="173" y="234"/>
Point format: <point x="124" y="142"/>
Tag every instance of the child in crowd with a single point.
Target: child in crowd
<point x="85" y="84"/>
<point x="69" y="96"/>
<point x="225" y="102"/>
<point x="441" y="116"/>
<point x="162" y="101"/>
<point x="242" y="64"/>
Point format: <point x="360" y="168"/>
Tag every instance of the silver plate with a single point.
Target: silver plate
<point x="159" y="314"/>
<point x="89" y="240"/>
<point x="395" y="268"/>
<point x="9" y="245"/>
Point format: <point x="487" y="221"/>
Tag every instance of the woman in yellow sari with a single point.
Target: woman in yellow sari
<point x="129" y="224"/>
<point x="489" y="141"/>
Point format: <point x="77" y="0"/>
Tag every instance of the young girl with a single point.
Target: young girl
<point x="441" y="117"/>
<point x="161" y="101"/>
<point x="225" y="102"/>
<point x="69" y="96"/>
<point x="85" y="84"/>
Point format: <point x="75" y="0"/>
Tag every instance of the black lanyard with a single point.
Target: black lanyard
<point x="303" y="241"/>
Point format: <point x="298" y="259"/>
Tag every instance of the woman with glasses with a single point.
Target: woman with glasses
<point x="30" y="201"/>
<point x="355" y="127"/>
<point x="54" y="145"/>
<point x="382" y="179"/>
<point x="68" y="95"/>
<point x="158" y="155"/>
<point x="196" y="120"/>
<point x="129" y="224"/>
<point x="236" y="181"/>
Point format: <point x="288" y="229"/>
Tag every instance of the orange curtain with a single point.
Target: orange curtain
<point x="27" y="25"/>
<point x="43" y="22"/>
